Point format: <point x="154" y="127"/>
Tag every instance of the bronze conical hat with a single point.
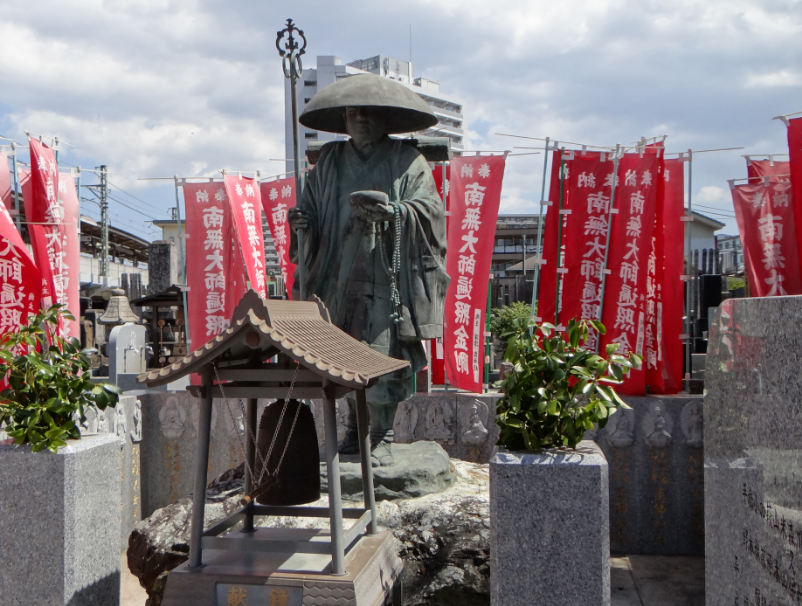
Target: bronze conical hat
<point x="407" y="112"/>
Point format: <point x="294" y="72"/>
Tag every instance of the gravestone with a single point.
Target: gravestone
<point x="162" y="266"/>
<point x="126" y="352"/>
<point x="753" y="461"/>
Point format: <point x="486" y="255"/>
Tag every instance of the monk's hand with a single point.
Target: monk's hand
<point x="297" y="219"/>
<point x="371" y="206"/>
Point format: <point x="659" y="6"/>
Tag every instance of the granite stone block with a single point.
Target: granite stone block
<point x="549" y="528"/>
<point x="752" y="460"/>
<point x="169" y="441"/>
<point x="60" y="524"/>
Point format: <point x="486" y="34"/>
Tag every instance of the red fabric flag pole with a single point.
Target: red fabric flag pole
<point x="278" y="197"/>
<point x="210" y="237"/>
<point x="795" y="168"/>
<point x="5" y="183"/>
<point x="70" y="253"/>
<point x="474" y="200"/>
<point x="624" y="311"/>
<point x="666" y="376"/>
<point x="757" y="169"/>
<point x="765" y="216"/>
<point x="20" y="281"/>
<point x="245" y="200"/>
<point x="553" y="246"/>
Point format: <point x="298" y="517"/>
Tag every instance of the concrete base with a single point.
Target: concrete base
<point x="373" y="571"/>
<point x="60" y="524"/>
<point x="549" y="528"/>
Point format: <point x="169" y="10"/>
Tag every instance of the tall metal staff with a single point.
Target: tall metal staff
<point x="293" y="68"/>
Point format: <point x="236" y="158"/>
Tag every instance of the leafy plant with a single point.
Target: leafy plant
<point x="48" y="383"/>
<point x="503" y="319"/>
<point x="557" y="389"/>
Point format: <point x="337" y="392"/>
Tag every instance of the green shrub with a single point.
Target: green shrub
<point x="49" y="383"/>
<point x="503" y="319"/>
<point x="557" y="389"/>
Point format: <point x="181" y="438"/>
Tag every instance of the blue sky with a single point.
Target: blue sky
<point x="157" y="87"/>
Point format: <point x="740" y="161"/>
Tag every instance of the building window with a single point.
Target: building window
<point x="310" y="82"/>
<point x="310" y="136"/>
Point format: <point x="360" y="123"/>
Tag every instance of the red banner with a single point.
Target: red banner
<point x="210" y="238"/>
<point x="757" y="169"/>
<point x="38" y="242"/>
<point x="795" y="165"/>
<point x="625" y="310"/>
<point x="5" y="183"/>
<point x="475" y="195"/>
<point x="278" y="197"/>
<point x="246" y="204"/>
<point x="437" y="360"/>
<point x="765" y="217"/>
<point x="666" y="375"/>
<point x="548" y="287"/>
<point x="66" y="256"/>
<point x="20" y="281"/>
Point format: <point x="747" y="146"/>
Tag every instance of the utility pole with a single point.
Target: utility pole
<point x="104" y="225"/>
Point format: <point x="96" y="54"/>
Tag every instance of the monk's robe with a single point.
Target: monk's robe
<point x="344" y="264"/>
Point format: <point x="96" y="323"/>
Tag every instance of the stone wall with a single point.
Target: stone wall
<point x="654" y="452"/>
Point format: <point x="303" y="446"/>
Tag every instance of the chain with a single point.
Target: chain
<point x="393" y="270"/>
<point x="263" y="460"/>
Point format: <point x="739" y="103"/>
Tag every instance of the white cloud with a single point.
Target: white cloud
<point x="163" y="87"/>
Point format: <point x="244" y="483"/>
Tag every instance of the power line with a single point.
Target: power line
<point x="160" y="210"/>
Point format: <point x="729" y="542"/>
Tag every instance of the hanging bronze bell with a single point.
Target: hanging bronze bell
<point x="298" y="479"/>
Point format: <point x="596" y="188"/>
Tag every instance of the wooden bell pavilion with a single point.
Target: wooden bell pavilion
<point x="289" y="566"/>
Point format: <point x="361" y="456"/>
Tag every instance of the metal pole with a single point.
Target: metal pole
<point x="689" y="283"/>
<point x="182" y="262"/>
<point x="536" y="276"/>
<point x="335" y="491"/>
<point x="293" y="68"/>
<point x="487" y="332"/>
<point x="78" y="188"/>
<point x="363" y="425"/>
<point x="445" y="206"/>
<point x="559" y="238"/>
<point x="201" y="465"/>
<point x="17" y="186"/>
<point x="607" y="243"/>
<point x="104" y="226"/>
<point x="250" y="457"/>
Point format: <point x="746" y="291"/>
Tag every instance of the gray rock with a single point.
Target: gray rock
<point x="420" y="468"/>
<point x="60" y="524"/>
<point x="549" y="518"/>
<point x="443" y="538"/>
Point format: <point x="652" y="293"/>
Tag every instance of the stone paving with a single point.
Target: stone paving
<point x="635" y="581"/>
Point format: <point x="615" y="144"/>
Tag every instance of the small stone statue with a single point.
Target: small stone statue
<point x="477" y="433"/>
<point x="376" y="240"/>
<point x="659" y="437"/>
<point x="136" y="434"/>
<point x="173" y="419"/>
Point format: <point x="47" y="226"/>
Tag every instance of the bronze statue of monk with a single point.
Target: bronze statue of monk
<point x="375" y="236"/>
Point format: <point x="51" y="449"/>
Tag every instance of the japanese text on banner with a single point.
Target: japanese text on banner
<point x="278" y="197"/>
<point x="765" y="218"/>
<point x="474" y="199"/>
<point x="245" y="200"/>
<point x="625" y="307"/>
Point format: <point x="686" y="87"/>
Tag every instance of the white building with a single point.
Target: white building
<point x="329" y="69"/>
<point x="731" y="253"/>
<point x="703" y="242"/>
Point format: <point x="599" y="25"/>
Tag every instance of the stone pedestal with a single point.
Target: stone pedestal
<point x="549" y="528"/>
<point x="752" y="457"/>
<point x="372" y="575"/>
<point x="60" y="524"/>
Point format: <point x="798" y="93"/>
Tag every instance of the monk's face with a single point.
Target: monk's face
<point x="366" y="125"/>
